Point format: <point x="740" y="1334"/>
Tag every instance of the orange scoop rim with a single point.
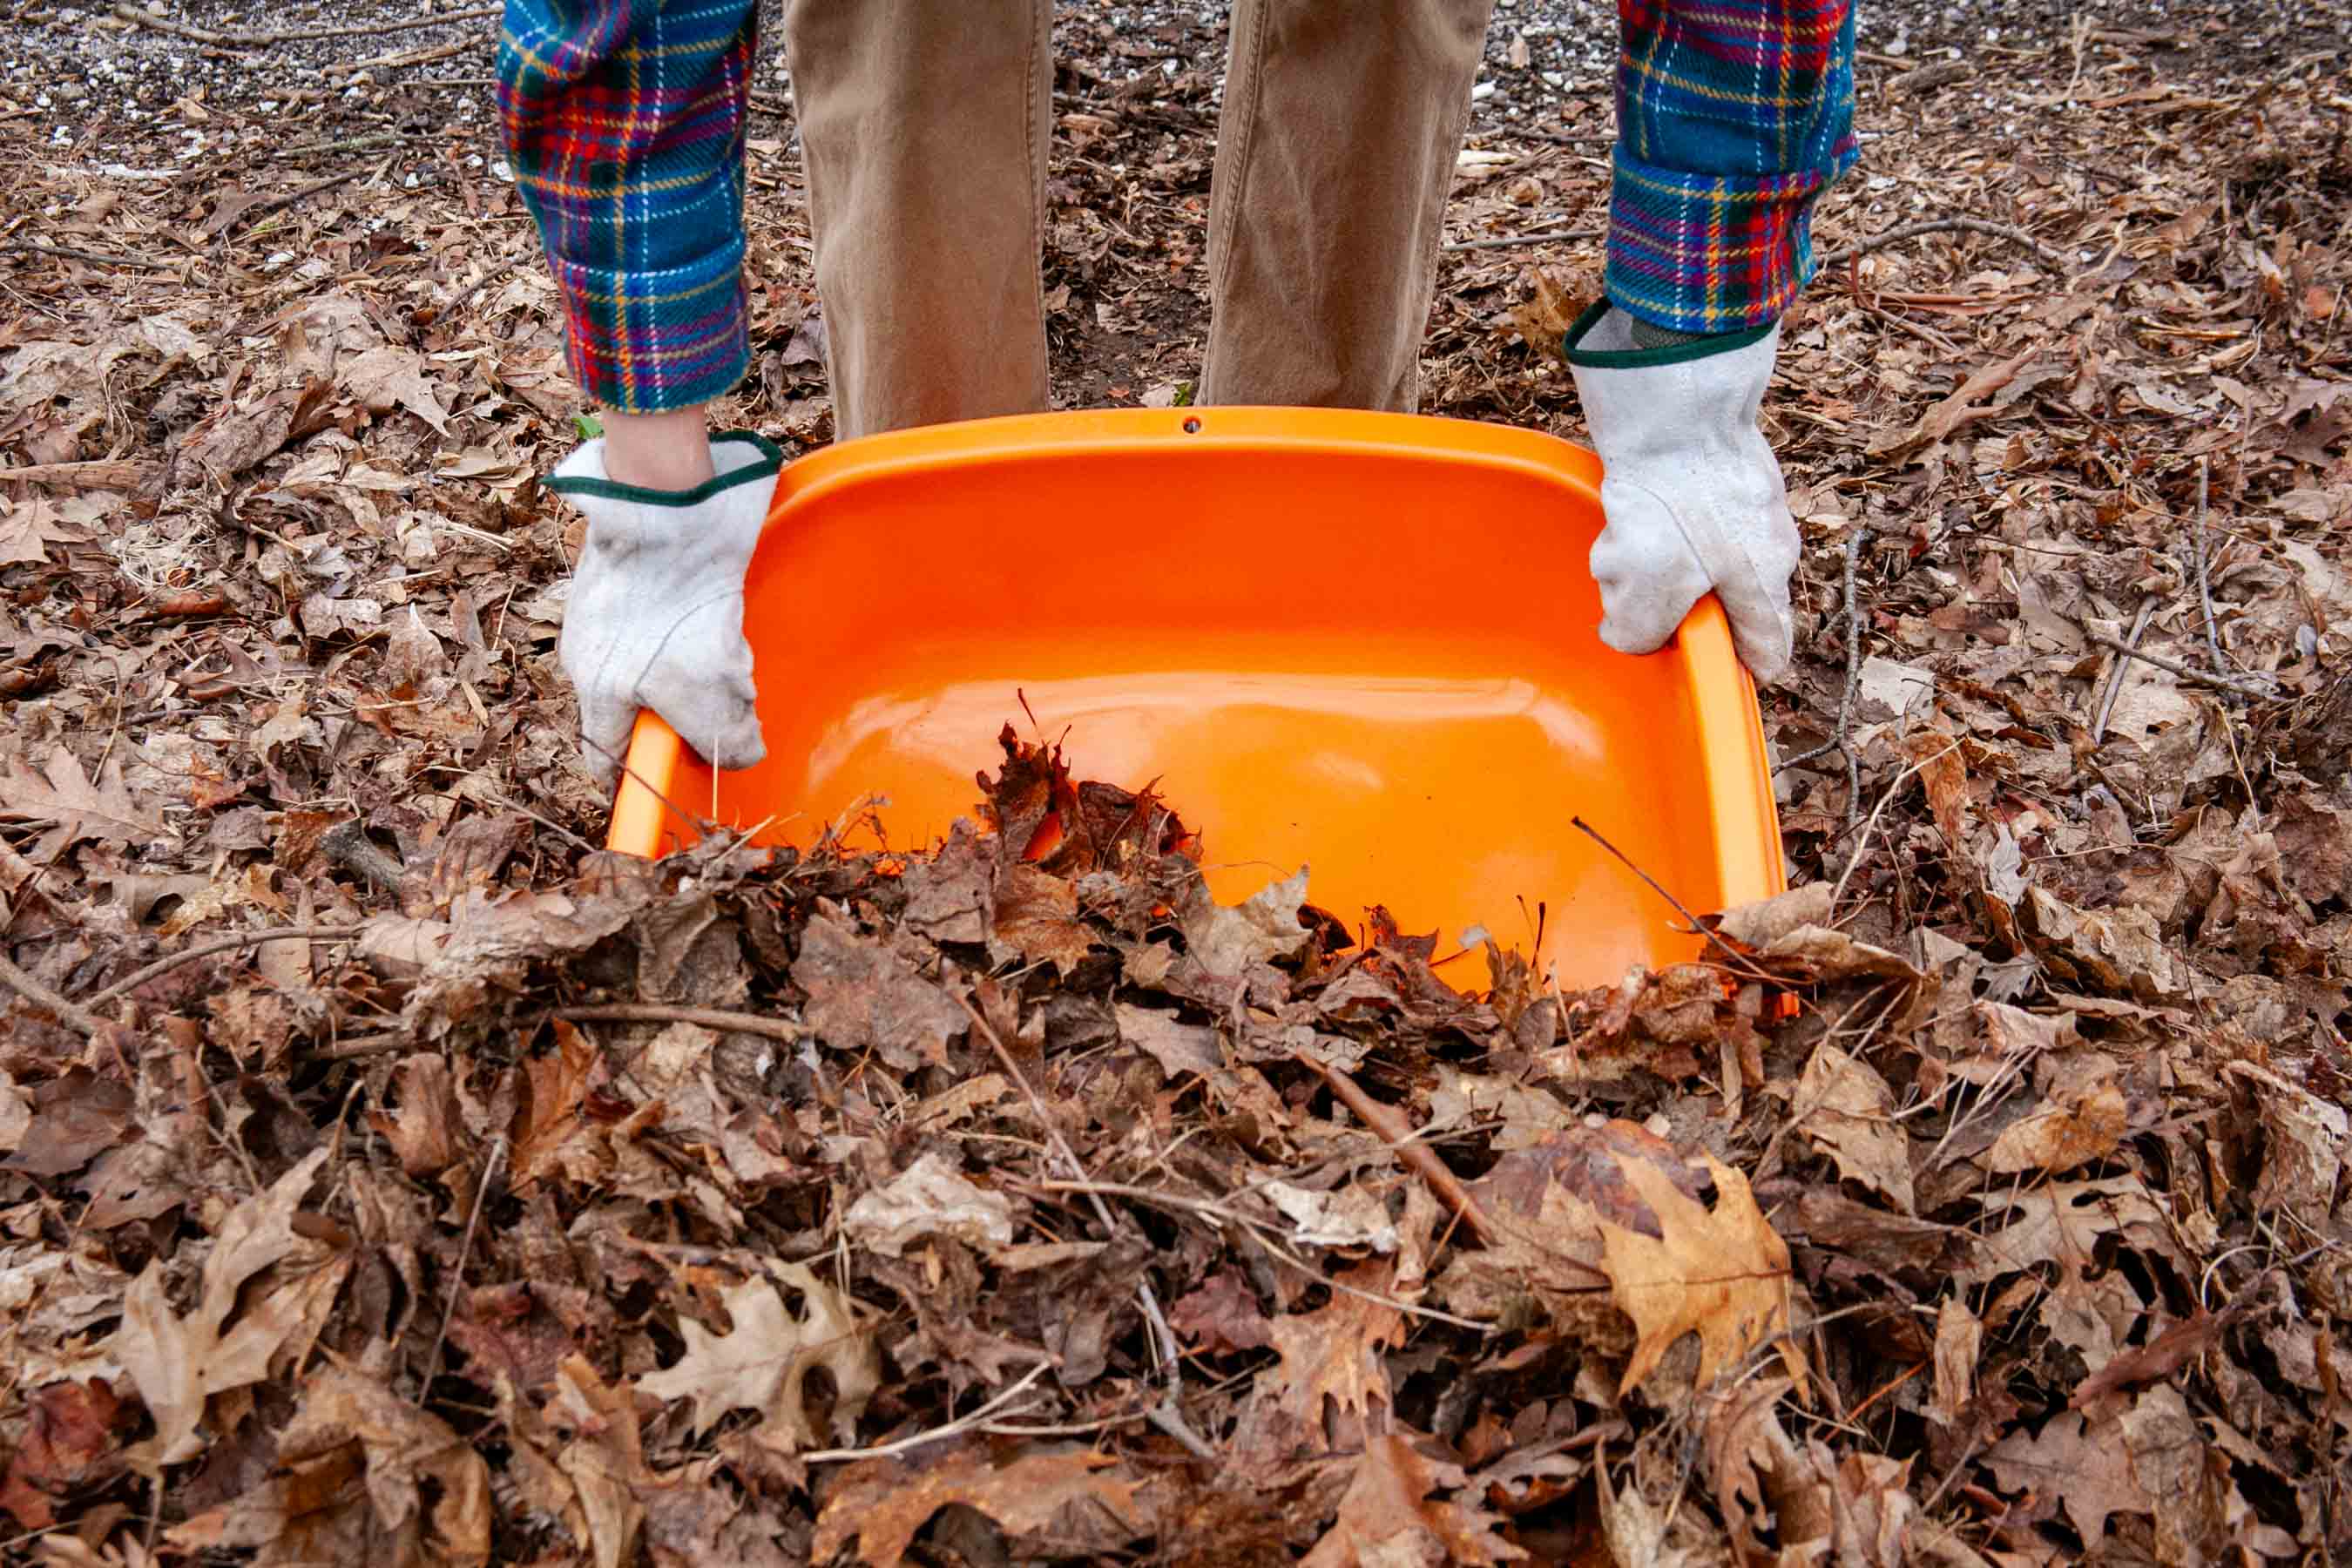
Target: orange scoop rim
<point x="1730" y="740"/>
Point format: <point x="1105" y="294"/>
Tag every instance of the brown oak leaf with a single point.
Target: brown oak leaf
<point x="1389" y="1515"/>
<point x="61" y="794"/>
<point x="863" y="997"/>
<point x="1722" y="1274"/>
<point x="881" y="1504"/>
<point x="2087" y="1469"/>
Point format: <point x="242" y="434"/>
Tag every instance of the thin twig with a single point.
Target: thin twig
<point x="41" y="997"/>
<point x="1902" y="232"/>
<point x="2115" y="675"/>
<point x="2245" y="687"/>
<point x="2204" y="578"/>
<point x="1170" y="1415"/>
<point x="1548" y="237"/>
<point x="954" y="1428"/>
<point x="360" y="1046"/>
<point x="782" y="1030"/>
<point x="1561" y="138"/>
<point x="1418" y="1157"/>
<point x="1739" y="963"/>
<point x="1259" y="1233"/>
<point x="261" y="209"/>
<point x="367" y="144"/>
<point x="458" y="1278"/>
<point x="347" y="848"/>
<point x="161" y="24"/>
<point x="403" y="58"/>
<point x="1861" y="841"/>
<point x="84" y="473"/>
<point x="139" y="977"/>
<point x="101" y="258"/>
<point x="1842" y="740"/>
<point x="458" y="304"/>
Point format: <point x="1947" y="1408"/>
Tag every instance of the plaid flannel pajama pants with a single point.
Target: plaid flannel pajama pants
<point x="924" y="125"/>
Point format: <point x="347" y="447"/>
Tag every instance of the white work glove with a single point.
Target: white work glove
<point x="656" y="616"/>
<point x="1692" y="493"/>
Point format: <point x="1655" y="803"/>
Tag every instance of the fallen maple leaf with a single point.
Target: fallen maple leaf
<point x="881" y="1504"/>
<point x="73" y="1118"/>
<point x="70" y="1436"/>
<point x="62" y="794"/>
<point x="929" y="1198"/>
<point x="2080" y="1124"/>
<point x="553" y="1137"/>
<point x="401" y="1450"/>
<point x="1334" y="1354"/>
<point x="2063" y="1223"/>
<point x="1762" y="1482"/>
<point x="1720" y="1273"/>
<point x="27" y="528"/>
<point x="1226" y="939"/>
<point x="863" y="995"/>
<point x="2087" y="1470"/>
<point x="1037" y="919"/>
<point x="387" y="377"/>
<point x="763" y="1362"/>
<point x="1389" y="1515"/>
<point x="426" y="1132"/>
<point x="1221" y="1315"/>
<point x="604" y="1462"/>
<point x="1846" y="1107"/>
<point x="179" y="1363"/>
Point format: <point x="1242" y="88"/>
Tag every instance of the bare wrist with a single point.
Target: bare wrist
<point x="665" y="451"/>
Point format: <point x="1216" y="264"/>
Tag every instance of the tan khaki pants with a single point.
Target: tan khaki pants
<point x="924" y="125"/>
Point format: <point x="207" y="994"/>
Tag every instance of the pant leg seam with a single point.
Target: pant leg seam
<point x="1041" y="39"/>
<point x="1222" y="250"/>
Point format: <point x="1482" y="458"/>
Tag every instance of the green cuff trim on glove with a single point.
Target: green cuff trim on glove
<point x="1643" y="359"/>
<point x="771" y="463"/>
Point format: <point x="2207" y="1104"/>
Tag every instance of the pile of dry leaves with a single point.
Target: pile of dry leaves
<point x="1982" y="1200"/>
<point x="1024" y="1201"/>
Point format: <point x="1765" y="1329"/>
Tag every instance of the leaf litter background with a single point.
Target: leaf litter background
<point x="1018" y="1204"/>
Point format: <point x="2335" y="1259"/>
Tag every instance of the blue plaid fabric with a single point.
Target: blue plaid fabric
<point x="1732" y="118"/>
<point x="625" y="120"/>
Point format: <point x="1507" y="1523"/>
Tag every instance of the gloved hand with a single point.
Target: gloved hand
<point x="1692" y="495"/>
<point x="655" y="617"/>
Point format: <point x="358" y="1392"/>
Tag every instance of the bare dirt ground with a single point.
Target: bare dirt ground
<point x="2021" y="1238"/>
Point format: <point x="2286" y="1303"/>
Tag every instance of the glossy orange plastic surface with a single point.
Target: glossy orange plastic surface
<point x="1360" y="642"/>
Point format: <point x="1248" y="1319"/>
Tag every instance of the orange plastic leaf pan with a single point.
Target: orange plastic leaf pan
<point x="1362" y="643"/>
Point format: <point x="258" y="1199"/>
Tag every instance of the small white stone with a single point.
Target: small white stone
<point x="1483" y="91"/>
